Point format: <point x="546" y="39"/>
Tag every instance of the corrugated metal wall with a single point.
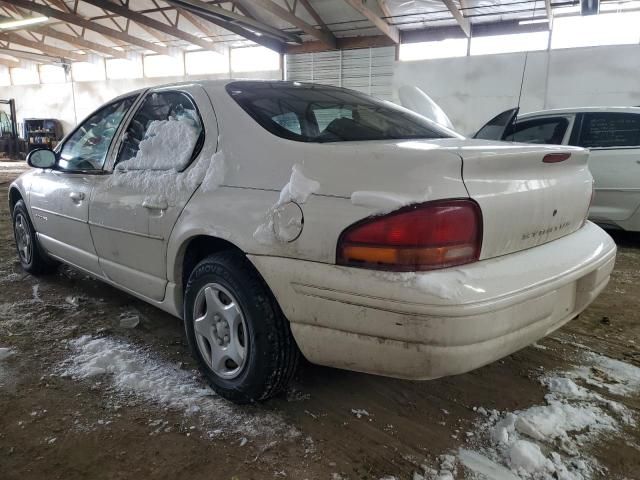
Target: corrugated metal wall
<point x="369" y="70"/>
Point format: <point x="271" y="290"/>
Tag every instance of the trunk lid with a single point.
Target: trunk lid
<point x="525" y="202"/>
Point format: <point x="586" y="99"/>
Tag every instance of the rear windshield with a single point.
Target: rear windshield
<point x="320" y="113"/>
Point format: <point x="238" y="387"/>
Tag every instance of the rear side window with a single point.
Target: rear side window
<point x="320" y="113"/>
<point x="166" y="133"/>
<point x="542" y="130"/>
<point x="607" y="130"/>
<point x="324" y="116"/>
<point x="289" y="121"/>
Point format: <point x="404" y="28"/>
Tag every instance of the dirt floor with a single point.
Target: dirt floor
<point x="332" y="424"/>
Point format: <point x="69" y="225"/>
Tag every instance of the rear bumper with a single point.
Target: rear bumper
<point x="428" y="325"/>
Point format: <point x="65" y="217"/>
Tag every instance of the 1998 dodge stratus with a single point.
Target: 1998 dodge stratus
<point x="276" y="218"/>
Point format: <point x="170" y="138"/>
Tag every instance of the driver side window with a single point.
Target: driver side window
<point x="87" y="148"/>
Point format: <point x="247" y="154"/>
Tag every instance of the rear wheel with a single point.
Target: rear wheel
<point x="236" y="331"/>
<point x="32" y="257"/>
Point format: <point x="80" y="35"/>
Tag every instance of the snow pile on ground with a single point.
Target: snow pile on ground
<point x="298" y="190"/>
<point x="135" y="372"/>
<point x="549" y="441"/>
<point x="5" y="352"/>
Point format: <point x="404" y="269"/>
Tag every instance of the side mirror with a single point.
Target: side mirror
<point x="41" y="158"/>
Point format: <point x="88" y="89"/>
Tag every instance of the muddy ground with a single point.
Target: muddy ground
<point x="56" y="427"/>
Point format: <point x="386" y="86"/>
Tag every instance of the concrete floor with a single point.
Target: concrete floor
<point x="331" y="424"/>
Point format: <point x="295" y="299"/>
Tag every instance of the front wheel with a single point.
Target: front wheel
<point x="236" y="331"/>
<point x="31" y="256"/>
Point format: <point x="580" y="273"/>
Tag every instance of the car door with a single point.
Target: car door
<point x="614" y="141"/>
<point x="59" y="197"/>
<point x="154" y="171"/>
<point x="498" y="126"/>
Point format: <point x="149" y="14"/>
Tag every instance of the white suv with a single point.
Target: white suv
<point x="613" y="136"/>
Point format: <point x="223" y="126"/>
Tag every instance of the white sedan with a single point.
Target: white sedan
<point x="612" y="134"/>
<point x="276" y="218"/>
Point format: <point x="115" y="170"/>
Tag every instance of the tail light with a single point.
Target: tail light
<point x="556" y="157"/>
<point x="425" y="236"/>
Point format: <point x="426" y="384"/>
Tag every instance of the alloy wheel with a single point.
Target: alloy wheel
<point x="220" y="330"/>
<point x="23" y="238"/>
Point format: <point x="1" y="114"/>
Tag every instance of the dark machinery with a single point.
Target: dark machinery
<point x="9" y="143"/>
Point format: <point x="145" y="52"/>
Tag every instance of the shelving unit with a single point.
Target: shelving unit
<point x="42" y="132"/>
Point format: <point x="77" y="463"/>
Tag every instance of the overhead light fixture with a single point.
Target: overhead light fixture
<point x="533" y="20"/>
<point x="23" y="22"/>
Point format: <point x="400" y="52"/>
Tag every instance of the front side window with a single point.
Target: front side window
<point x="320" y="113"/>
<point x="543" y="131"/>
<point x="164" y="134"/>
<point x="87" y="147"/>
<point x="607" y="130"/>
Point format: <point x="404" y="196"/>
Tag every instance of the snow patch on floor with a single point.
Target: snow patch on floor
<point x="546" y="442"/>
<point x="132" y="371"/>
<point x="619" y="378"/>
<point x="5" y="352"/>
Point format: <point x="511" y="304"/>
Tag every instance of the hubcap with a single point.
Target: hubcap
<point x="220" y="330"/>
<point x="23" y="238"/>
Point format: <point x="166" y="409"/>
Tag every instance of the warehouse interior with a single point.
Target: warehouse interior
<point x="571" y="60"/>
<point x="565" y="407"/>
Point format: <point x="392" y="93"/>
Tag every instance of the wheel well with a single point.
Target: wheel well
<point x="197" y="249"/>
<point x="14" y="197"/>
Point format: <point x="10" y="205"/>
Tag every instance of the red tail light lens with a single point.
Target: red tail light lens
<point x="421" y="237"/>
<point x="556" y="157"/>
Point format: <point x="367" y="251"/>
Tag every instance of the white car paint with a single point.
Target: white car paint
<point x="540" y="263"/>
<point x="615" y="169"/>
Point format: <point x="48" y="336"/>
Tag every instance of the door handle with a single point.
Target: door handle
<point x="156" y="204"/>
<point x="76" y="196"/>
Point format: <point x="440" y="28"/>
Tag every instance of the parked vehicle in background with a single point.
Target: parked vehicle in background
<point x="612" y="134"/>
<point x="277" y="216"/>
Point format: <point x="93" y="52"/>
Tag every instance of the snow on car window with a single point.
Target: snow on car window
<point x="162" y="135"/>
<point x="167" y="144"/>
<point x="162" y="139"/>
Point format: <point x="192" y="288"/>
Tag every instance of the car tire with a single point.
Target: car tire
<point x="32" y="257"/>
<point x="236" y="331"/>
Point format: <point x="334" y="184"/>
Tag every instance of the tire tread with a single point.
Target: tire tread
<point x="284" y="353"/>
